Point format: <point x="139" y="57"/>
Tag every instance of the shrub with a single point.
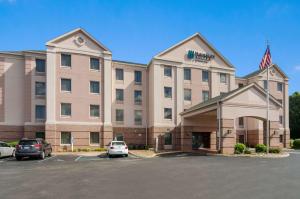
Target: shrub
<point x="291" y="143"/>
<point x="296" y="144"/>
<point x="239" y="148"/>
<point x="99" y="149"/>
<point x="260" y="148"/>
<point x="247" y="151"/>
<point x="274" y="150"/>
<point x="13" y="143"/>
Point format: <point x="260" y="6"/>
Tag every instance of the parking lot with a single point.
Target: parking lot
<point x="177" y="176"/>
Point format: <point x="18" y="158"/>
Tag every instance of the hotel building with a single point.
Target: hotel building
<point x="186" y="98"/>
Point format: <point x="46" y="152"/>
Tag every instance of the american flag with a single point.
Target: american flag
<point x="266" y="60"/>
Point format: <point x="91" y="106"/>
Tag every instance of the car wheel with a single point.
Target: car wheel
<point x="42" y="156"/>
<point x="50" y="153"/>
<point x="126" y="155"/>
<point x="18" y="158"/>
<point x="110" y="156"/>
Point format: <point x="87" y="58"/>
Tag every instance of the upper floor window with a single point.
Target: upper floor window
<point x="119" y="74"/>
<point x="94" y="110"/>
<point x="138" y="77"/>
<point x="137" y="117"/>
<point x="241" y="85"/>
<point x="205" y="76"/>
<point x="168" y="71"/>
<point x="119" y="94"/>
<point x="187" y="94"/>
<point x="94" y="64"/>
<point x="280" y="119"/>
<point x="279" y="86"/>
<point x="66" y="60"/>
<point x="187" y="74"/>
<point x="205" y="96"/>
<point x="265" y="84"/>
<point x="168" y="113"/>
<point x="223" y="78"/>
<point x="65" y="109"/>
<point x="94" y="87"/>
<point x="138" y="97"/>
<point x="40" y="88"/>
<point x="119" y="115"/>
<point x="40" y="65"/>
<point x="40" y="112"/>
<point x="241" y="121"/>
<point x="65" y="85"/>
<point x="168" y="92"/>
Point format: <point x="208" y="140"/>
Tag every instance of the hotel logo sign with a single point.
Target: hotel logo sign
<point x="200" y="57"/>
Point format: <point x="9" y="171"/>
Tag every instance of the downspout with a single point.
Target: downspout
<point x="147" y="112"/>
<point x="219" y="124"/>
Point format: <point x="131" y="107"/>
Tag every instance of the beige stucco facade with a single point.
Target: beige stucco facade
<point x="190" y="79"/>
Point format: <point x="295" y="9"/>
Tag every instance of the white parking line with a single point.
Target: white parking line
<point x="47" y="158"/>
<point x="77" y="158"/>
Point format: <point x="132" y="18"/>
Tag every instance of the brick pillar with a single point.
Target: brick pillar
<point x="52" y="136"/>
<point x="228" y="136"/>
<point x="274" y="134"/>
<point x="213" y="140"/>
<point x="107" y="135"/>
<point x="286" y="138"/>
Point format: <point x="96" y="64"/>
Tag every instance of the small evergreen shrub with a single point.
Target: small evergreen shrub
<point x="13" y="143"/>
<point x="239" y="148"/>
<point x="247" y="151"/>
<point x="296" y="144"/>
<point x="274" y="150"/>
<point x="260" y="148"/>
<point x="100" y="149"/>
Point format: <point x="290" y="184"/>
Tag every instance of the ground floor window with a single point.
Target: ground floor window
<point x="65" y="138"/>
<point x="40" y="135"/>
<point x="280" y="138"/>
<point x="241" y="139"/>
<point x="94" y="138"/>
<point x="119" y="137"/>
<point x="168" y="138"/>
<point x="200" y="140"/>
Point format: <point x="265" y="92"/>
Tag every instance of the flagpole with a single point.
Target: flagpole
<point x="268" y="107"/>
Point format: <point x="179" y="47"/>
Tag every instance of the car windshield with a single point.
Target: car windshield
<point x="118" y="143"/>
<point x="27" y="142"/>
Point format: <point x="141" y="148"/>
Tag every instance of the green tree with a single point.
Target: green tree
<point x="295" y="115"/>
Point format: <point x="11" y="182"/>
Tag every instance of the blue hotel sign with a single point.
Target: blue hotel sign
<point x="197" y="56"/>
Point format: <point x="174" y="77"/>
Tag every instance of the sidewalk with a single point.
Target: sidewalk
<point x="92" y="153"/>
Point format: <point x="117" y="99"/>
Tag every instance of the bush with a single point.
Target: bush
<point x="239" y="148"/>
<point x="247" y="151"/>
<point x="260" y="148"/>
<point x="274" y="150"/>
<point x="100" y="149"/>
<point x="13" y="143"/>
<point x="296" y="144"/>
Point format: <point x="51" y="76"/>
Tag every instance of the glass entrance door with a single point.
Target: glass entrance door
<point x="200" y="140"/>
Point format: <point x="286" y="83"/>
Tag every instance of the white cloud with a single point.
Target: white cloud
<point x="297" y="68"/>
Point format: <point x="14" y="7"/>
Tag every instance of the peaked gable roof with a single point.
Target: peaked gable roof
<point x="259" y="71"/>
<point x="78" y="30"/>
<point x="227" y="96"/>
<point x="201" y="38"/>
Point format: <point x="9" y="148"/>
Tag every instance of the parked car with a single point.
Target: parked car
<point x="33" y="148"/>
<point x="117" y="148"/>
<point x="6" y="150"/>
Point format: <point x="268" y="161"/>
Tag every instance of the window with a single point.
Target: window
<point x="120" y="95"/>
<point x="65" y="138"/>
<point x="40" y="112"/>
<point x="138" y="77"/>
<point x="40" y="65"/>
<point x="265" y="84"/>
<point x="205" y="96"/>
<point x="279" y="86"/>
<point x="187" y="74"/>
<point x="119" y="74"/>
<point x="168" y="71"/>
<point x="40" y="88"/>
<point x="168" y="92"/>
<point x="223" y="78"/>
<point x="40" y="135"/>
<point x="65" y="60"/>
<point x="137" y="117"/>
<point x="94" y="138"/>
<point x="65" y="109"/>
<point x="241" y="121"/>
<point x="137" y="97"/>
<point x="119" y="115"/>
<point x="168" y="138"/>
<point x="119" y="137"/>
<point x="65" y="85"/>
<point x="94" y="87"/>
<point x="94" y="64"/>
<point x="280" y="119"/>
<point x="94" y="110"/>
<point x="168" y="113"/>
<point x="187" y="94"/>
<point x="241" y="85"/>
<point x="281" y="138"/>
<point x="205" y="76"/>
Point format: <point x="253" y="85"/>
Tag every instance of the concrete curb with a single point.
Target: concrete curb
<point x="271" y="156"/>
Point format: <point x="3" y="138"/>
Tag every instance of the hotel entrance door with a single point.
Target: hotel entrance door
<point x="200" y="140"/>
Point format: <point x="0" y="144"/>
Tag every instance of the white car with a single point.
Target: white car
<point x="117" y="148"/>
<point x="6" y="150"/>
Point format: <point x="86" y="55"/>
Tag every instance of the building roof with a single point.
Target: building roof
<point x="259" y="71"/>
<point x="226" y="96"/>
<point x="130" y="63"/>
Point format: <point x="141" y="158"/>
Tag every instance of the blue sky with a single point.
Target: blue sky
<point x="137" y="30"/>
